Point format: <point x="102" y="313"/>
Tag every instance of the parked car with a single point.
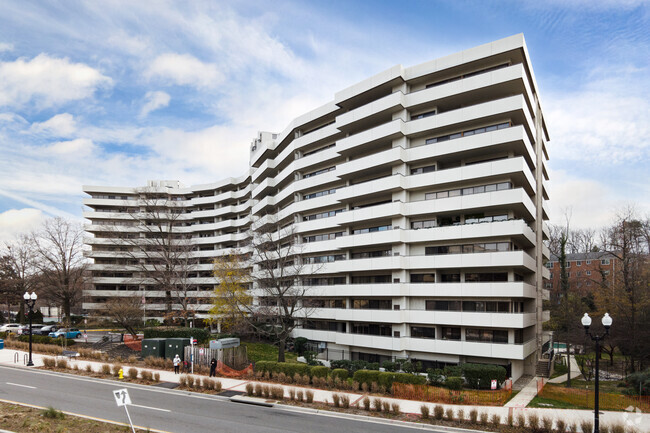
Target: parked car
<point x="12" y="327"/>
<point x="66" y="332"/>
<point x="45" y="330"/>
<point x="35" y="328"/>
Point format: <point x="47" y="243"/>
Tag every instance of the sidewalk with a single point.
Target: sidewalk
<point x="525" y="396"/>
<point x="575" y="372"/>
<point x="516" y="406"/>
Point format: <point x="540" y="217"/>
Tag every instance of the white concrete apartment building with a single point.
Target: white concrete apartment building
<point x="421" y="190"/>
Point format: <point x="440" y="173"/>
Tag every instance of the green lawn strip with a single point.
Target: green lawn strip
<point x="559" y="370"/>
<point x="608" y="386"/>
<point x="266" y="352"/>
<point x="541" y="402"/>
<point x="512" y="396"/>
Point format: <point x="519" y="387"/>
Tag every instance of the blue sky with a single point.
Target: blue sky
<point x="119" y="92"/>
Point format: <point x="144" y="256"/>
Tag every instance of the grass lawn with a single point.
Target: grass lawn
<point x="266" y="352"/>
<point x="548" y="403"/>
<point x="559" y="370"/>
<point x="609" y="386"/>
<point x="512" y="395"/>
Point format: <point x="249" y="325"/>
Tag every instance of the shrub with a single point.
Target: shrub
<point x="156" y="376"/>
<point x="461" y="415"/>
<point x="89" y="368"/>
<point x="319" y="371"/>
<point x="435" y="376"/>
<point x="250" y="388"/>
<point x="299" y="395"/>
<point x="473" y="416"/>
<point x="292" y="394"/>
<point x="266" y="391"/>
<point x="182" y="381"/>
<point x="115" y="370"/>
<point x="389" y="366"/>
<point x="495" y="420"/>
<point x="366" y="376"/>
<point x="573" y="427"/>
<point x="547" y="424"/>
<point x="533" y="422"/>
<point x="438" y="412"/>
<point x="394" y="408"/>
<point x="282" y="378"/>
<point x="336" y="399"/>
<point x="49" y="362"/>
<point x="374" y="387"/>
<point x="258" y="389"/>
<point x="366" y="403"/>
<point x="309" y="396"/>
<point x="511" y="420"/>
<point x="376" y="404"/>
<point x="483" y="418"/>
<point x="345" y="401"/>
<point x="424" y="411"/>
<point x="604" y="428"/>
<point x="521" y="421"/>
<point x="387" y="379"/>
<point x="449" y="414"/>
<point x="385" y="406"/>
<point x="364" y="387"/>
<point x="52" y="413"/>
<point x="639" y="381"/>
<point x="560" y="426"/>
<point x="340" y="373"/>
<point x="146" y="375"/>
<point x="480" y="375"/>
<point x="618" y="428"/>
<point x="277" y="392"/>
<point x="453" y="370"/>
<point x="133" y="373"/>
<point x="61" y="363"/>
<point x="454" y="383"/>
<point x="106" y="369"/>
<point x="202" y="336"/>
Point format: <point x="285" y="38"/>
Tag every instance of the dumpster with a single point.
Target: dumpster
<point x="174" y="346"/>
<point x="153" y="347"/>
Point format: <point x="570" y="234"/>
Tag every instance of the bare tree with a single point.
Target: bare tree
<point x="275" y="267"/>
<point x="125" y="311"/>
<point x="160" y="251"/>
<point x="628" y="298"/>
<point x="59" y="260"/>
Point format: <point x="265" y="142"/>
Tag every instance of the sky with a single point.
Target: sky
<point x="120" y="92"/>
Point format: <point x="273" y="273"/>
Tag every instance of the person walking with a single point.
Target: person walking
<point x="177" y="363"/>
<point x="213" y="368"/>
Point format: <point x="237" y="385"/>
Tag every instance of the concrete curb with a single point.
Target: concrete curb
<point x="251" y="400"/>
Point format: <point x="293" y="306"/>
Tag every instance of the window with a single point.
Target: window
<point x="578" y="263"/>
<point x="450" y="278"/>
<point x="370" y="254"/>
<point x="319" y="194"/>
<point x="371" y="279"/>
<point x="485" y="277"/>
<point x="423" y="278"/>
<point x="467" y="133"/>
<point x="588" y="272"/>
<point x="468" y="191"/>
<point x="322" y="215"/>
<point x="317" y="172"/>
<point x="442" y="305"/>
<point x="325" y="237"/>
<point x="489" y="247"/>
<point x="372" y="304"/>
<point x="588" y="262"/>
<point x="416" y="225"/>
<point x="604" y="262"/>
<point x="420" y="170"/>
<point x="450" y="333"/>
<point x="486" y="335"/>
<point x="371" y="230"/>
<point x="423" y="115"/>
<point x="423" y="332"/>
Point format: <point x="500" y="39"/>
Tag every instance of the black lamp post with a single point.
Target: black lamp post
<point x="586" y="322"/>
<point x="30" y="301"/>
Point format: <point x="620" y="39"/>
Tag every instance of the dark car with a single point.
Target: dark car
<point x="45" y="330"/>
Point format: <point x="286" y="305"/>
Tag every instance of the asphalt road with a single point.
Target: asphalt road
<point x="168" y="410"/>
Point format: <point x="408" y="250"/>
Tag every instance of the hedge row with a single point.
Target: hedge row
<point x="479" y="376"/>
<point x="202" y="336"/>
<point x="353" y="366"/>
<point x="386" y="379"/>
<point x="288" y="368"/>
<point x="44" y="339"/>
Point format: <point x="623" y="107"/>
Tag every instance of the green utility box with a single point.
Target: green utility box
<point x="175" y="346"/>
<point x="153" y="347"/>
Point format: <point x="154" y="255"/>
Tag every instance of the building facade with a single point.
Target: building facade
<point x="422" y="193"/>
<point x="586" y="273"/>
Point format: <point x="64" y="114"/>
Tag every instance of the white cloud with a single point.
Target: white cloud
<point x="184" y="70"/>
<point x="80" y="147"/>
<point x="15" y="222"/>
<point x="6" y="46"/>
<point x="61" y="125"/>
<point x="47" y="81"/>
<point x="154" y="101"/>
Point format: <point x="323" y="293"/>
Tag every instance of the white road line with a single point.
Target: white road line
<point x="152" y="408"/>
<point x="24" y="386"/>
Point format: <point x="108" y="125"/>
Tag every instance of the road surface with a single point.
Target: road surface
<point x="168" y="410"/>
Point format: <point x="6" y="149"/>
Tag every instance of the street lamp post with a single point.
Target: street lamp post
<point x="30" y="301"/>
<point x="586" y="322"/>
